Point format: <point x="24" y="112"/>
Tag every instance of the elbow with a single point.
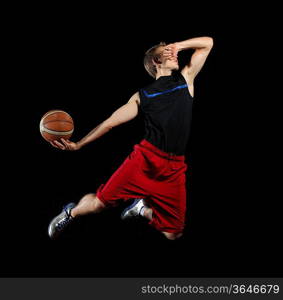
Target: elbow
<point x="209" y="42"/>
<point x="108" y="128"/>
<point x="108" y="125"/>
<point x="205" y="42"/>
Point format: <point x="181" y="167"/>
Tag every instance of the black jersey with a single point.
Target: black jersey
<point x="167" y="108"/>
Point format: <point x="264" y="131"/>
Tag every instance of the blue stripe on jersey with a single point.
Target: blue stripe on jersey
<point x="167" y="91"/>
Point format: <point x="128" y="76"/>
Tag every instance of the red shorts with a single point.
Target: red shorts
<point x="155" y="176"/>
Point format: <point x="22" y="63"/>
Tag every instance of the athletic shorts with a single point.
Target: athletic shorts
<point x="157" y="177"/>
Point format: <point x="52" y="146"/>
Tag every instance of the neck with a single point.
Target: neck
<point x="162" y="72"/>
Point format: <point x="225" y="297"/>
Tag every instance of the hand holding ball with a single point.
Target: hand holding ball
<point x="56" y="125"/>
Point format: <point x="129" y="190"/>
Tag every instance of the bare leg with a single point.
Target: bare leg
<point x="147" y="213"/>
<point x="172" y="236"/>
<point x="88" y="204"/>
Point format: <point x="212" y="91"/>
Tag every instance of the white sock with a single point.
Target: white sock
<point x="142" y="210"/>
<point x="141" y="207"/>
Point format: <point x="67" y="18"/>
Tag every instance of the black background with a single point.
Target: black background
<point x="88" y="62"/>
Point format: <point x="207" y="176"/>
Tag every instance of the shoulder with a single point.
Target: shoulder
<point x="135" y="98"/>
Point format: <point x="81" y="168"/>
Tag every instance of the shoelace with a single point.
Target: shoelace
<point x="64" y="221"/>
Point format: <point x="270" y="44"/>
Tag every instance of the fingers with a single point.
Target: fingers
<point x="53" y="144"/>
<point x="170" y="52"/>
<point x="171" y="57"/>
<point x="66" y="144"/>
<point x="171" y="48"/>
<point x="58" y="145"/>
<point x="61" y="146"/>
<point x="69" y="145"/>
<point x="167" y="52"/>
<point x="168" y="55"/>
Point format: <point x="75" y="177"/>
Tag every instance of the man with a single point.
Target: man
<point x="154" y="173"/>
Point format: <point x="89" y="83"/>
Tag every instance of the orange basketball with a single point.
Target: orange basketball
<point x="56" y="124"/>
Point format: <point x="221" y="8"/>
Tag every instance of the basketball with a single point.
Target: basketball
<point x="56" y="124"/>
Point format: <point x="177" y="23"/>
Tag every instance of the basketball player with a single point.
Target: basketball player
<point x="154" y="172"/>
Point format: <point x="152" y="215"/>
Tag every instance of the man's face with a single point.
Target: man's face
<point x="171" y="64"/>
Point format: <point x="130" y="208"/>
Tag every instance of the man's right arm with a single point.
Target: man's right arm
<point x="122" y="115"/>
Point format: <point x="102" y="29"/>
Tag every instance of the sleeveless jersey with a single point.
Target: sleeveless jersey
<point x="166" y="105"/>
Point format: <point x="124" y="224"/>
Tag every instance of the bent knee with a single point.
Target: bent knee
<point x="94" y="201"/>
<point x="172" y="236"/>
<point x="99" y="204"/>
<point x="89" y="197"/>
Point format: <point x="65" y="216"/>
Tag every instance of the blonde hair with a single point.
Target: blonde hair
<point x="151" y="55"/>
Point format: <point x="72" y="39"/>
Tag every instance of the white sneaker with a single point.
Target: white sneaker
<point x="60" y="222"/>
<point x="133" y="210"/>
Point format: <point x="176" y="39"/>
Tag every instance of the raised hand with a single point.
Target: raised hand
<point x="171" y="52"/>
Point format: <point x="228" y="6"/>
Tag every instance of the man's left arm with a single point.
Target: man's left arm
<point x="202" y="46"/>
